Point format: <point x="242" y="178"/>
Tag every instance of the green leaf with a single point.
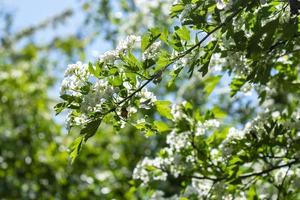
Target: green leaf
<point x="175" y="42"/>
<point x="218" y="113"/>
<point x="235" y="161"/>
<point x="141" y="126"/>
<point x="174" y="74"/>
<point x="211" y="83"/>
<point x="176" y="9"/>
<point x="149" y="133"/>
<point x="90" y="128"/>
<point x="205" y="60"/>
<point x="75" y="148"/>
<point x="164" y="35"/>
<point x="218" y="136"/>
<point x="132" y="62"/>
<point x="91" y="69"/>
<point x="161" y="126"/>
<point x="67" y="97"/>
<point x="269" y="29"/>
<point x="149" y="38"/>
<point x="98" y="68"/>
<point x="290" y="28"/>
<point x="252" y="195"/>
<point x="145" y="43"/>
<point x="163" y="107"/>
<point x="236" y="85"/>
<point x="163" y="61"/>
<point x="240" y="40"/>
<point x="183" y="33"/>
<point x="60" y="107"/>
<point x="115" y="81"/>
<point x="85" y="89"/>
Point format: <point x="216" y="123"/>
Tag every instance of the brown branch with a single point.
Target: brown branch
<point x="270" y="169"/>
<point x="251" y="174"/>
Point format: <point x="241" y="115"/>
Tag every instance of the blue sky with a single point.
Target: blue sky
<point x="31" y="12"/>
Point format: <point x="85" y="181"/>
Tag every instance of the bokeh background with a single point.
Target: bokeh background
<point x="38" y="40"/>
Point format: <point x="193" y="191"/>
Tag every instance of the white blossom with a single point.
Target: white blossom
<point x="178" y="141"/>
<point x="76" y="76"/>
<point x="123" y="46"/>
<point x="127" y="43"/>
<point x="177" y="113"/>
<point x="212" y="123"/>
<point x="109" y="56"/>
<point x="141" y="172"/>
<point x="220" y="4"/>
<point x="281" y="173"/>
<point x="202" y="187"/>
<point x="275" y="114"/>
<point x="235" y="134"/>
<point x="182" y="62"/>
<point x="201" y="128"/>
<point x="147" y="98"/>
<point x="78" y="69"/>
<point x="93" y="101"/>
<point x="152" y="52"/>
<point x="192" y="157"/>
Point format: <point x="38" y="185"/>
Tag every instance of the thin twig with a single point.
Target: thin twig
<point x="270" y="169"/>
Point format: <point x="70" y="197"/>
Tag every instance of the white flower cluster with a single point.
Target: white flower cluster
<point x="220" y="4"/>
<point x="180" y="153"/>
<point x="143" y="173"/>
<point x="146" y="98"/>
<point x="159" y="195"/>
<point x="201" y="128"/>
<point x="91" y="102"/>
<point x="152" y="51"/>
<point x="200" y="188"/>
<point x="145" y="17"/>
<point x="171" y="160"/>
<point x="178" y="141"/>
<point x="78" y="69"/>
<point x="76" y="76"/>
<point x="181" y="63"/>
<point x="177" y="113"/>
<point x="232" y="137"/>
<point x="93" y="94"/>
<point x="256" y="126"/>
<point x="123" y="46"/>
<point x="98" y="95"/>
<point x="75" y="120"/>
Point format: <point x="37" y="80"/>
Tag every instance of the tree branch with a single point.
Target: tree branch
<point x="251" y="174"/>
<point x="270" y="169"/>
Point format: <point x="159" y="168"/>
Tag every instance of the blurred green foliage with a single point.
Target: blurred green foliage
<point x="34" y="159"/>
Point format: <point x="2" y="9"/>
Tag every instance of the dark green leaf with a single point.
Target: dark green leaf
<point x="76" y="148"/>
<point x="236" y="85"/>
